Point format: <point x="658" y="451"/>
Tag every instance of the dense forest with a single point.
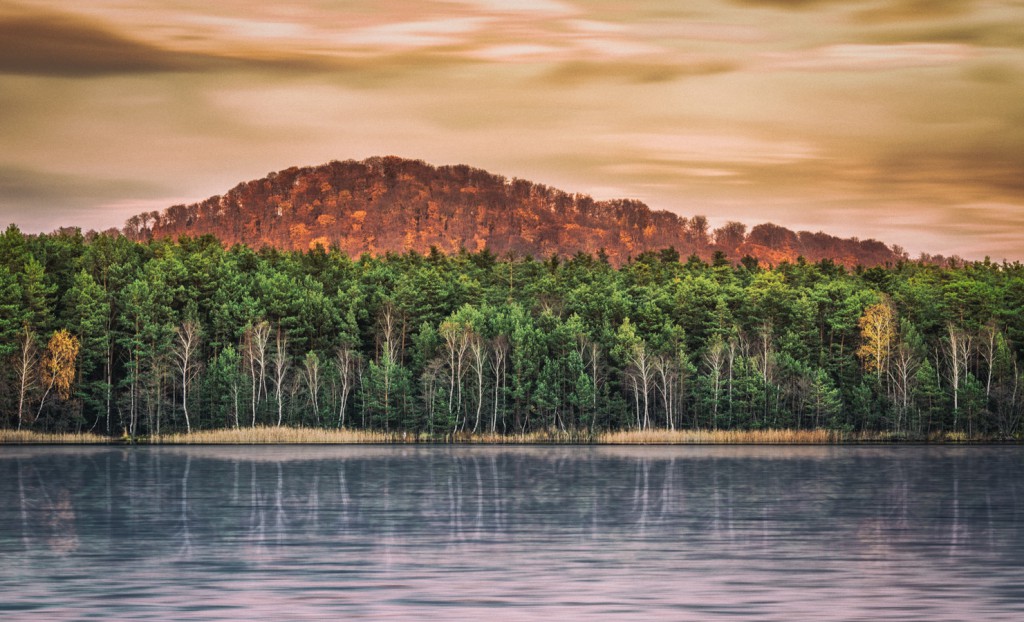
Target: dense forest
<point x="391" y="204"/>
<point x="107" y="334"/>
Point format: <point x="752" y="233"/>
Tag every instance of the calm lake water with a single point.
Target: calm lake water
<point x="673" y="533"/>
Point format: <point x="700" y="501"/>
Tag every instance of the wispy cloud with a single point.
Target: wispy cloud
<point x="412" y="34"/>
<point x="717" y="148"/>
<point x="862" y="57"/>
<point x="536" y="8"/>
<point x="60" y="45"/>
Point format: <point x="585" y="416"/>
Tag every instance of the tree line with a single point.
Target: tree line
<point x="103" y="333"/>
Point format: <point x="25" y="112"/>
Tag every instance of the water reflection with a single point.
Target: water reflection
<point x="671" y="532"/>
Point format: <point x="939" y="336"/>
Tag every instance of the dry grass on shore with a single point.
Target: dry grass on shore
<point x="31" y="437"/>
<point x="319" y="436"/>
<point x="537" y="437"/>
<point x="719" y="437"/>
<point x="287" y="435"/>
<point x="261" y="435"/>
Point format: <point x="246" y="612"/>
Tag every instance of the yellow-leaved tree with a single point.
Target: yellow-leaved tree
<point x="58" y="365"/>
<point x="878" y="330"/>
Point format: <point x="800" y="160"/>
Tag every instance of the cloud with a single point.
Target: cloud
<point x="984" y="33"/>
<point x="571" y="73"/>
<point x="874" y="10"/>
<point x="864" y="57"/>
<point x="71" y="47"/>
<point x="17" y="183"/>
<point x="915" y="10"/>
<point x="789" y="4"/>
<point x="538" y="8"/>
<point x="715" y="151"/>
<point x="515" y="52"/>
<point x="413" y="34"/>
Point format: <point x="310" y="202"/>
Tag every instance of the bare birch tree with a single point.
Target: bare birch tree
<point x="477" y="364"/>
<point x="26" y="368"/>
<point x="429" y="382"/>
<point x="499" y="359"/>
<point x="346" y="363"/>
<point x="279" y="365"/>
<point x="764" y="362"/>
<point x="957" y="349"/>
<point x="903" y="365"/>
<point x="715" y="360"/>
<point x="186" y="346"/>
<point x="311" y="378"/>
<point x="988" y="340"/>
<point x="640" y="367"/>
<point x="665" y="373"/>
<point x="254" y="349"/>
<point x="456" y="344"/>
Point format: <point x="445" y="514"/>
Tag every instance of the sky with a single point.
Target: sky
<point x="899" y="120"/>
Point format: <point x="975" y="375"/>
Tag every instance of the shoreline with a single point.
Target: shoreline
<point x="319" y="436"/>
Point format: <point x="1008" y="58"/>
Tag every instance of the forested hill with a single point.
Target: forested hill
<point x="393" y="204"/>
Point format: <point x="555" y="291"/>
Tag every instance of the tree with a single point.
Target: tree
<point x="455" y="338"/>
<point x="823" y="398"/>
<point x="224" y="379"/>
<point x="957" y="350"/>
<point x="666" y="373"/>
<point x="903" y="374"/>
<point x="1007" y="387"/>
<point x="88" y="310"/>
<point x="477" y="362"/>
<point x="765" y="360"/>
<point x="428" y="381"/>
<point x="58" y="365"/>
<point x="639" y="369"/>
<point x="38" y="294"/>
<point x="12" y="316"/>
<point x="878" y="330"/>
<point x="26" y="369"/>
<point x="988" y="340"/>
<point x="254" y="349"/>
<point x="186" y="348"/>
<point x="346" y="363"/>
<point x="280" y="362"/>
<point x="311" y="378"/>
<point x="387" y="378"/>
<point x="499" y="358"/>
<point x="715" y="359"/>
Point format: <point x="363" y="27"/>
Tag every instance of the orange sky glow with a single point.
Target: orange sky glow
<point x="900" y="120"/>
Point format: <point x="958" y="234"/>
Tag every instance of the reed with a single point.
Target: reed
<point x="720" y="437"/>
<point x="31" y="437"/>
<point x="284" y="435"/>
<point x="553" y="436"/>
<point x="288" y="435"/>
<point x="262" y="435"/>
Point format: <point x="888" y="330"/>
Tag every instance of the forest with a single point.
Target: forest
<point x="102" y="333"/>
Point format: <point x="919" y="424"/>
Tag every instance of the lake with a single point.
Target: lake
<point x="464" y="533"/>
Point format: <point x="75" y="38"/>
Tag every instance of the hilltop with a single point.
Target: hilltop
<point x="391" y="204"/>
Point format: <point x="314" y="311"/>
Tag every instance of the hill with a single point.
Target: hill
<point x="391" y="204"/>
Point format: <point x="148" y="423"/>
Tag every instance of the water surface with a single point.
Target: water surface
<point x="674" y="533"/>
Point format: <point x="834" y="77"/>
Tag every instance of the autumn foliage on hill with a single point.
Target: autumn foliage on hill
<point x="390" y="204"/>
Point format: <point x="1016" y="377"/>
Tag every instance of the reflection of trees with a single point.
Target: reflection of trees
<point x="176" y="499"/>
<point x="45" y="512"/>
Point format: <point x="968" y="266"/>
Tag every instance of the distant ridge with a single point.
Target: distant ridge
<point x="391" y="204"/>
